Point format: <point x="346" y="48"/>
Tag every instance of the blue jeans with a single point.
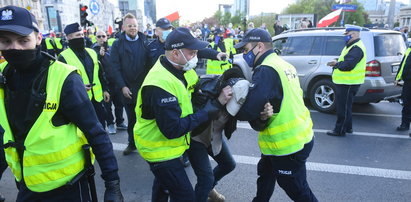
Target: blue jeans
<point x="171" y="180"/>
<point x="207" y="177"/>
<point x="290" y="173"/>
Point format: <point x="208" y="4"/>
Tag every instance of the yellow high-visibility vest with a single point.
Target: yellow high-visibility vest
<point x="291" y="128"/>
<point x="354" y="76"/>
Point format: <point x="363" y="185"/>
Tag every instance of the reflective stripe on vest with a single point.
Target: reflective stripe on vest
<point x="53" y="154"/>
<point x="152" y="145"/>
<point x="356" y="75"/>
<point x="399" y="74"/>
<point x="291" y="128"/>
<point x="73" y="60"/>
<point x="216" y="66"/>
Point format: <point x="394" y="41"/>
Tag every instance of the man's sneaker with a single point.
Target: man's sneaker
<point x="214" y="196"/>
<point x="122" y="126"/>
<point x="111" y="129"/>
<point x="129" y="149"/>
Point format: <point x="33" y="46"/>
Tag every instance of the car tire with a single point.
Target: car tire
<point x="322" y="96"/>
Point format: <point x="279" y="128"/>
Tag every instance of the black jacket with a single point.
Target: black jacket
<point x="130" y="67"/>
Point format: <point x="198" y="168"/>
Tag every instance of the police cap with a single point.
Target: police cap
<point x="17" y="20"/>
<point x="254" y="35"/>
<point x="183" y="38"/>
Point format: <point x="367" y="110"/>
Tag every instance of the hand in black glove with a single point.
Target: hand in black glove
<point x="212" y="107"/>
<point x="113" y="192"/>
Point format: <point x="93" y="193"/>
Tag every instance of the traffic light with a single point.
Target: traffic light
<point x="83" y="15"/>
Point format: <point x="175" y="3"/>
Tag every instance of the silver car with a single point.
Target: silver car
<point x="309" y="50"/>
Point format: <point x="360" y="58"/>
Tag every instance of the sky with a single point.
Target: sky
<point x="197" y="10"/>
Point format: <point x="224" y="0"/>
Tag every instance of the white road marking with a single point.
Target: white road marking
<point x="245" y="125"/>
<point x="341" y="169"/>
<point x="322" y="167"/>
<point x="368" y="114"/>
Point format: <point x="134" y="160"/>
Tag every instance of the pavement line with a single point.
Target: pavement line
<point x="340" y="169"/>
<point x="322" y="167"/>
<point x="247" y="126"/>
<point x="368" y="114"/>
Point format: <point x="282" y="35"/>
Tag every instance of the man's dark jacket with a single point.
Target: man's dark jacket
<point x="130" y="68"/>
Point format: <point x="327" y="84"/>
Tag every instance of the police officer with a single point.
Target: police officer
<point x="165" y="115"/>
<point x="86" y="60"/>
<point x="163" y="29"/>
<point x="285" y="139"/>
<point x="3" y="163"/>
<point x="404" y="74"/>
<point x="218" y="44"/>
<point x="53" y="45"/>
<point x="43" y="107"/>
<point x="348" y="74"/>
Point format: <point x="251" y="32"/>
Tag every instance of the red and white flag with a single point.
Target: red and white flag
<point x="330" y="18"/>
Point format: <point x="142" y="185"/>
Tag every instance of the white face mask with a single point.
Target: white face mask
<point x="190" y="63"/>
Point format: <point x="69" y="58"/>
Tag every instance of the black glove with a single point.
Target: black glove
<point x="212" y="107"/>
<point x="113" y="192"/>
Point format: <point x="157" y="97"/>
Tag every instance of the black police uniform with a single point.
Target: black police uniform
<point x="345" y="93"/>
<point x="74" y="107"/>
<point x="88" y="64"/>
<point x="406" y="94"/>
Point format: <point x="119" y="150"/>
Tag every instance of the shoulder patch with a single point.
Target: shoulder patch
<point x="167" y="101"/>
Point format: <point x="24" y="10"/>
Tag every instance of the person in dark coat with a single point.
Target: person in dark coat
<point x="130" y="62"/>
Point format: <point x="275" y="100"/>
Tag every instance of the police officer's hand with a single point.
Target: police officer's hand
<point x="222" y="56"/>
<point x="267" y="112"/>
<point x="106" y="96"/>
<point x="126" y="92"/>
<point x="88" y="87"/>
<point x="113" y="192"/>
<point x="225" y="95"/>
<point x="332" y="63"/>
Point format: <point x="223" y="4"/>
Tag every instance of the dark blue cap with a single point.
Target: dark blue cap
<point x="71" y="28"/>
<point x="183" y="38"/>
<point x="17" y="20"/>
<point x="163" y="23"/>
<point x="254" y="35"/>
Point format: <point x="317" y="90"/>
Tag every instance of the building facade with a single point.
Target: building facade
<point x="241" y="7"/>
<point x="59" y="13"/>
<point x="32" y="5"/>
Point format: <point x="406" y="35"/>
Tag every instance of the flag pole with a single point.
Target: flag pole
<point x="342" y="19"/>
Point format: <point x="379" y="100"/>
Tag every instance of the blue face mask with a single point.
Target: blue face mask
<point x="250" y="57"/>
<point x="347" y="38"/>
<point x="165" y="34"/>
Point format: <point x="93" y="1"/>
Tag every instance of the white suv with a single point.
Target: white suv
<point x="309" y="50"/>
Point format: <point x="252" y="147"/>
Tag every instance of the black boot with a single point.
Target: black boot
<point x="403" y="127"/>
<point x="2" y="198"/>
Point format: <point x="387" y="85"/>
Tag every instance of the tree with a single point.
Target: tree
<point x="323" y="7"/>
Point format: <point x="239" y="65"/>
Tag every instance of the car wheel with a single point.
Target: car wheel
<point x="322" y="96"/>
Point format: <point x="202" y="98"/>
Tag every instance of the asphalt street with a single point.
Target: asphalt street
<point x="372" y="164"/>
